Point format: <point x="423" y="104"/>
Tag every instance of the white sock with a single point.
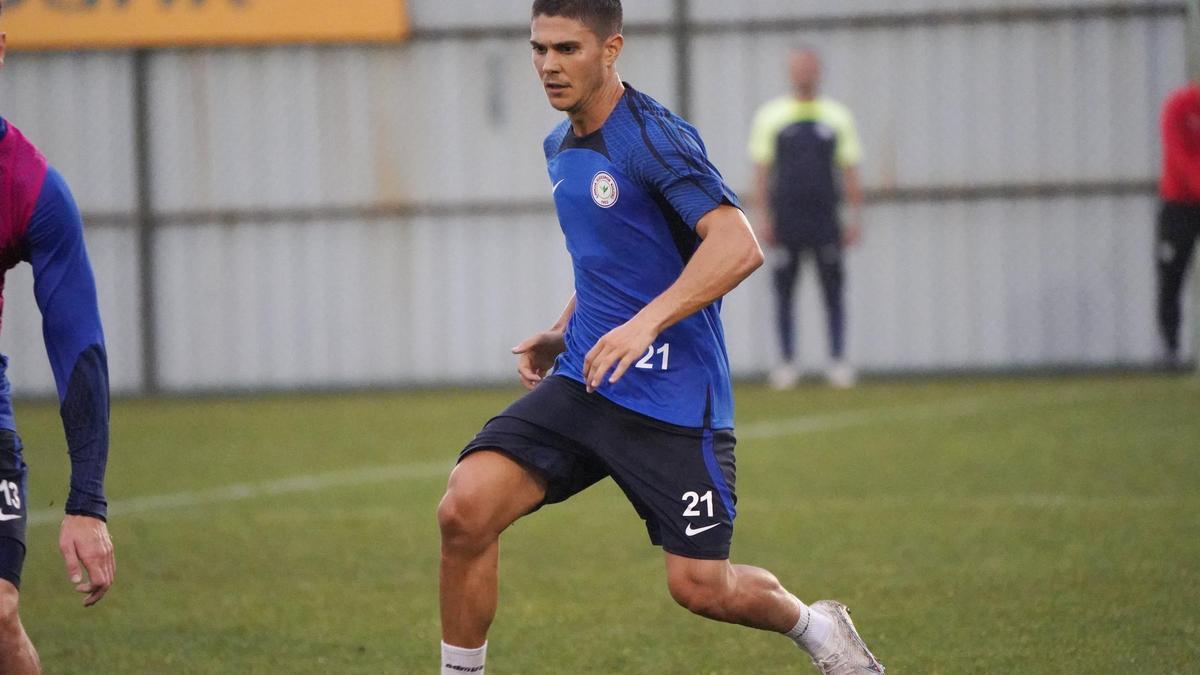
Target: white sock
<point x="812" y="631"/>
<point x="457" y="661"/>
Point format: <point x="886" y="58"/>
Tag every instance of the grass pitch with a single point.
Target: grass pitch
<point x="984" y="526"/>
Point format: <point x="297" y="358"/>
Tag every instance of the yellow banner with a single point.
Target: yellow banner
<point x="109" y="24"/>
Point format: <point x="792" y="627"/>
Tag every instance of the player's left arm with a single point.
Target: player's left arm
<point x="65" y="290"/>
<point x="728" y="253"/>
<point x="848" y="156"/>
<point x="852" y="185"/>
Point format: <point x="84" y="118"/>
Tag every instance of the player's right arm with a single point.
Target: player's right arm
<point x="536" y="355"/>
<point x="728" y="253"/>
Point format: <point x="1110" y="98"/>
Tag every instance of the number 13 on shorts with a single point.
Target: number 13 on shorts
<point x="11" y="494"/>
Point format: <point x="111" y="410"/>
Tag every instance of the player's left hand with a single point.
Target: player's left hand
<point x="620" y="348"/>
<point x="86" y="547"/>
<point x="852" y="235"/>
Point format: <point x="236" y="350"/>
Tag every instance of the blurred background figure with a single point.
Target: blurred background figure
<point x="1179" y="217"/>
<point x="806" y="153"/>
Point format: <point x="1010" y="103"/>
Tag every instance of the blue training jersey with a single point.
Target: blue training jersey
<point x="629" y="197"/>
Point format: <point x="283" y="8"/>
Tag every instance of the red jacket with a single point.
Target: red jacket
<point x="1181" y="146"/>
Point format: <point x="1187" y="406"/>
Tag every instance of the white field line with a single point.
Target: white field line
<point x="244" y="491"/>
<point x="808" y="424"/>
<point x="796" y="426"/>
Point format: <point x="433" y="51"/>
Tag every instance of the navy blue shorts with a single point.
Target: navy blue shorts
<point x="679" y="479"/>
<point x="13" y="509"/>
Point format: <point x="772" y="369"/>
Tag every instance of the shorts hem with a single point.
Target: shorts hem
<point x="525" y="464"/>
<point x="697" y="555"/>
<point x="7" y="573"/>
<point x="14" y="579"/>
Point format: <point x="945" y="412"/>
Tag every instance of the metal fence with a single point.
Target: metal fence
<point x="379" y="216"/>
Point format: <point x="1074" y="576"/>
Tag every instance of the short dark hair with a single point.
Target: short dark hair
<point x="605" y="18"/>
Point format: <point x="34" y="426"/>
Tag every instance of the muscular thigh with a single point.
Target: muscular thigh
<point x="530" y="452"/>
<point x="496" y="488"/>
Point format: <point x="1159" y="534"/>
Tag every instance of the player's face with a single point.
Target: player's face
<point x="806" y="71"/>
<point x="571" y="61"/>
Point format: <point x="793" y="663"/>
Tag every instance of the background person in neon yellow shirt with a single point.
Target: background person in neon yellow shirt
<point x="806" y="154"/>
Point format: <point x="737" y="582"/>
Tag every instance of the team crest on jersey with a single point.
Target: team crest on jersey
<point x="604" y="190"/>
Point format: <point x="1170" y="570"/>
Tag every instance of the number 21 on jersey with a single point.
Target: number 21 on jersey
<point x="648" y="361"/>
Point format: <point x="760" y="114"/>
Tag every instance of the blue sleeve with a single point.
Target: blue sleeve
<point x="677" y="167"/>
<point x="66" y="295"/>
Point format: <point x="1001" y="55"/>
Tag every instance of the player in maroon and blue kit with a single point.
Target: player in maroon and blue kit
<point x="1179" y="219"/>
<point x="40" y="224"/>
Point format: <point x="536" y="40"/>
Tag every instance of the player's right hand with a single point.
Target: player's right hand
<point x="86" y="547"/>
<point x="536" y="355"/>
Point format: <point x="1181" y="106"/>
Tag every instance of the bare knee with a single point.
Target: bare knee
<point x="488" y="491"/>
<point x="17" y="654"/>
<point x="463" y="522"/>
<point x="702" y="594"/>
<point x="10" y="621"/>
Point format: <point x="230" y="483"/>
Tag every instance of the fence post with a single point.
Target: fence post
<point x="683" y="58"/>
<point x="146" y="223"/>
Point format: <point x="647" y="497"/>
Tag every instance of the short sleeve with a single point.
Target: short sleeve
<point x="849" y="148"/>
<point x="673" y="162"/>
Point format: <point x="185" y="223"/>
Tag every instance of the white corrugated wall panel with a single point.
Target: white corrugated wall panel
<point x="964" y="104"/>
<point x="115" y="264"/>
<point x="439" y="14"/>
<point x="716" y="10"/>
<point x="78" y="108"/>
<point x="352" y="303"/>
<point x="990" y="284"/>
<point x="305" y="127"/>
<point x="969" y="285"/>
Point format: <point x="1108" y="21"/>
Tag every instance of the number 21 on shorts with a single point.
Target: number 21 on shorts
<point x="695" y="499"/>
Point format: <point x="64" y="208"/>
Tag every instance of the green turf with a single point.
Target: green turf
<point x="989" y="526"/>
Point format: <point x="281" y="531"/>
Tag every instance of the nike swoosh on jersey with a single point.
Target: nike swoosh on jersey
<point x="557" y="184"/>
<point x="691" y="532"/>
<point x="4" y="518"/>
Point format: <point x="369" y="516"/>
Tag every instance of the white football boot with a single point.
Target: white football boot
<point x="841" y="375"/>
<point x="848" y="654"/>
<point x="784" y="377"/>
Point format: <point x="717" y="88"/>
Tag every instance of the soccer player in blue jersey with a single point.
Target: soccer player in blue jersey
<point x="40" y="224"/>
<point x="632" y="381"/>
